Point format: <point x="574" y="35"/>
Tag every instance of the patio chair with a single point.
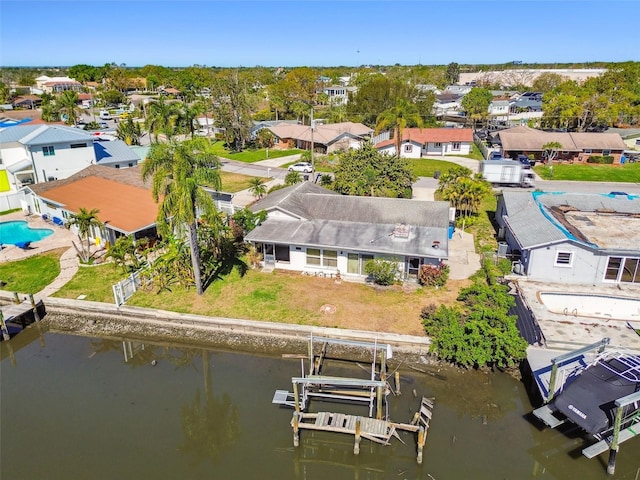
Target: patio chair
<point x="58" y="221"/>
<point x="23" y="245"/>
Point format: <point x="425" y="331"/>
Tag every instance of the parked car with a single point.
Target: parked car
<point x="495" y="156"/>
<point x="524" y="160"/>
<point x="103" y="125"/>
<point x="304" y="167"/>
<point x="105" y="115"/>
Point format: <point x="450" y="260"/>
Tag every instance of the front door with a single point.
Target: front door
<point x="269" y="254"/>
<point x="356" y="262"/>
<point x="413" y="265"/>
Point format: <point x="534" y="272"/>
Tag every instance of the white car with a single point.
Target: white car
<point x="304" y="167"/>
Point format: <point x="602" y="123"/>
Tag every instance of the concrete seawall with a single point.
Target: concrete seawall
<point x="101" y="319"/>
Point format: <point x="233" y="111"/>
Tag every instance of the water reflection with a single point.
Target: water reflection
<point x="75" y="407"/>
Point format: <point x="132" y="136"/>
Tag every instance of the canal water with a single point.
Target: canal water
<point x="97" y="408"/>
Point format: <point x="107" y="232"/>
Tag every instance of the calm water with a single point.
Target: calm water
<point x="19" y="231"/>
<point x="72" y="408"/>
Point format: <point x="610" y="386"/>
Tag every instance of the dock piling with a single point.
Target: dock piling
<point x="3" y="325"/>
<point x="36" y="315"/>
<point x="397" y="377"/>
<point x="356" y="446"/>
<point x="16" y="298"/>
<point x="296" y="429"/>
<point x="421" y="441"/>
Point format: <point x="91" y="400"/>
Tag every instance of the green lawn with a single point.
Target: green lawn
<point x="629" y="172"/>
<point x="426" y="168"/>
<point x="234" y="182"/>
<point x="31" y="274"/>
<point x="95" y="282"/>
<point x="250" y="156"/>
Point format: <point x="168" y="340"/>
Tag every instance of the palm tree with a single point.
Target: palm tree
<point x="404" y="113"/>
<point x="161" y="118"/>
<point x="68" y="105"/>
<point x="84" y="221"/>
<point x="129" y="131"/>
<point x="292" y="178"/>
<point x="177" y="171"/>
<point x="258" y="188"/>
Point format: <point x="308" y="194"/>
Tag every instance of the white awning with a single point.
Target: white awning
<point x="21" y="165"/>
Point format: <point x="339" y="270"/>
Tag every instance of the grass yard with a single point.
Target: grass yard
<point x="250" y="156"/>
<point x="31" y="274"/>
<point x="426" y="167"/>
<point x="234" y="182"/>
<point x="94" y="282"/>
<point x="281" y="297"/>
<point x="629" y="172"/>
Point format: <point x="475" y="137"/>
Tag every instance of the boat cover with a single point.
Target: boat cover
<point x="589" y="401"/>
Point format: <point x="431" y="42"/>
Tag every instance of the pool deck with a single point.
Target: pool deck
<point x="61" y="238"/>
<point x="568" y="332"/>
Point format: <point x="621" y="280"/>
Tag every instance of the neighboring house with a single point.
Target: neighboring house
<point x="527" y="102"/>
<point x="448" y="104"/>
<point x="39" y="153"/>
<point x="576" y="147"/>
<point x="26" y="101"/>
<point x="461" y="90"/>
<point x="124" y="201"/>
<point x="312" y="229"/>
<point x="421" y="142"/>
<point x="338" y="94"/>
<point x="115" y="154"/>
<point x="57" y="84"/>
<point x="499" y="108"/>
<point x="572" y="238"/>
<point x="259" y="125"/>
<point x="325" y="138"/>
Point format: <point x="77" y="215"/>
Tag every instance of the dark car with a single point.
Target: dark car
<point x="495" y="156"/>
<point x="524" y="160"/>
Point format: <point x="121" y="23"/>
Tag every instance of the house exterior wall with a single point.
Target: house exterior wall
<point x="410" y="150"/>
<point x="585" y="267"/>
<point x="65" y="161"/>
<point x="446" y="148"/>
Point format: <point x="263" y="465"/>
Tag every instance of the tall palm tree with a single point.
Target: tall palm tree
<point x="68" y="104"/>
<point x="129" y="131"/>
<point x="84" y="220"/>
<point x="258" y="188"/>
<point x="404" y="113"/>
<point x="177" y="171"/>
<point x="161" y="118"/>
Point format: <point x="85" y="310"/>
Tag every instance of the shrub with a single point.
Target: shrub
<point x="433" y="275"/>
<point x="607" y="159"/>
<point x="382" y="271"/>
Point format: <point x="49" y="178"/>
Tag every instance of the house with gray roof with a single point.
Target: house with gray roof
<point x="315" y="230"/>
<point x="327" y="138"/>
<point x="571" y="238"/>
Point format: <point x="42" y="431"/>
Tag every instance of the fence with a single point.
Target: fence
<point x="10" y="201"/>
<point x="482" y="146"/>
<point x="124" y="289"/>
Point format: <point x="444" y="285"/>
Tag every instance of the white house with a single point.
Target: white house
<point x="32" y="154"/>
<point x="571" y="238"/>
<point x="422" y="142"/>
<point x="312" y="229"/>
<point x="39" y="153"/>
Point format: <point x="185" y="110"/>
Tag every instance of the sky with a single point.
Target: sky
<point x="178" y="33"/>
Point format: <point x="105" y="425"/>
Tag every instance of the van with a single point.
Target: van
<point x="105" y="115"/>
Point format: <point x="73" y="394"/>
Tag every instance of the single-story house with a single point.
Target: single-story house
<point x="312" y="229"/>
<point x="422" y="142"/>
<point x="571" y="238"/>
<point x="327" y="138"/>
<point x="576" y="146"/>
<point x="26" y="101"/>
<point x="115" y="154"/>
<point x="124" y="201"/>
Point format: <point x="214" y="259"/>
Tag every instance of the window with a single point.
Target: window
<point x="408" y="148"/>
<point x="313" y="256"/>
<point x="564" y="259"/>
<point x="48" y="151"/>
<point x="131" y="164"/>
<point x="322" y="258"/>
<point x="587" y="150"/>
<point x="117" y="165"/>
<point x="606" y="152"/>
<point x="437" y="145"/>
<point x="455" y="146"/>
<point x="620" y="269"/>
<point x="78" y="145"/>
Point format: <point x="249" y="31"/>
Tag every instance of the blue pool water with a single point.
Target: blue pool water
<point x="19" y="231"/>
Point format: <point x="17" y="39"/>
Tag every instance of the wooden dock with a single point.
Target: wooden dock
<point x="16" y="316"/>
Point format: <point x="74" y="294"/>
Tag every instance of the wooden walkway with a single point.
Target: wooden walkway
<point x="15" y="316"/>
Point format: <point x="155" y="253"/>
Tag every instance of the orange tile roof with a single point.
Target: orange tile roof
<point x="432" y="135"/>
<point x="126" y="207"/>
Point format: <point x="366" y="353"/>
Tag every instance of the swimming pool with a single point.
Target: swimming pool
<point x="588" y="305"/>
<point x="18" y="231"/>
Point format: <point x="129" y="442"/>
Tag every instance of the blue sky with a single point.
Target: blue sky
<point x="315" y="32"/>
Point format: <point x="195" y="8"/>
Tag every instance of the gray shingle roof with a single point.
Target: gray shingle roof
<point x="529" y="219"/>
<point x="114" y="151"/>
